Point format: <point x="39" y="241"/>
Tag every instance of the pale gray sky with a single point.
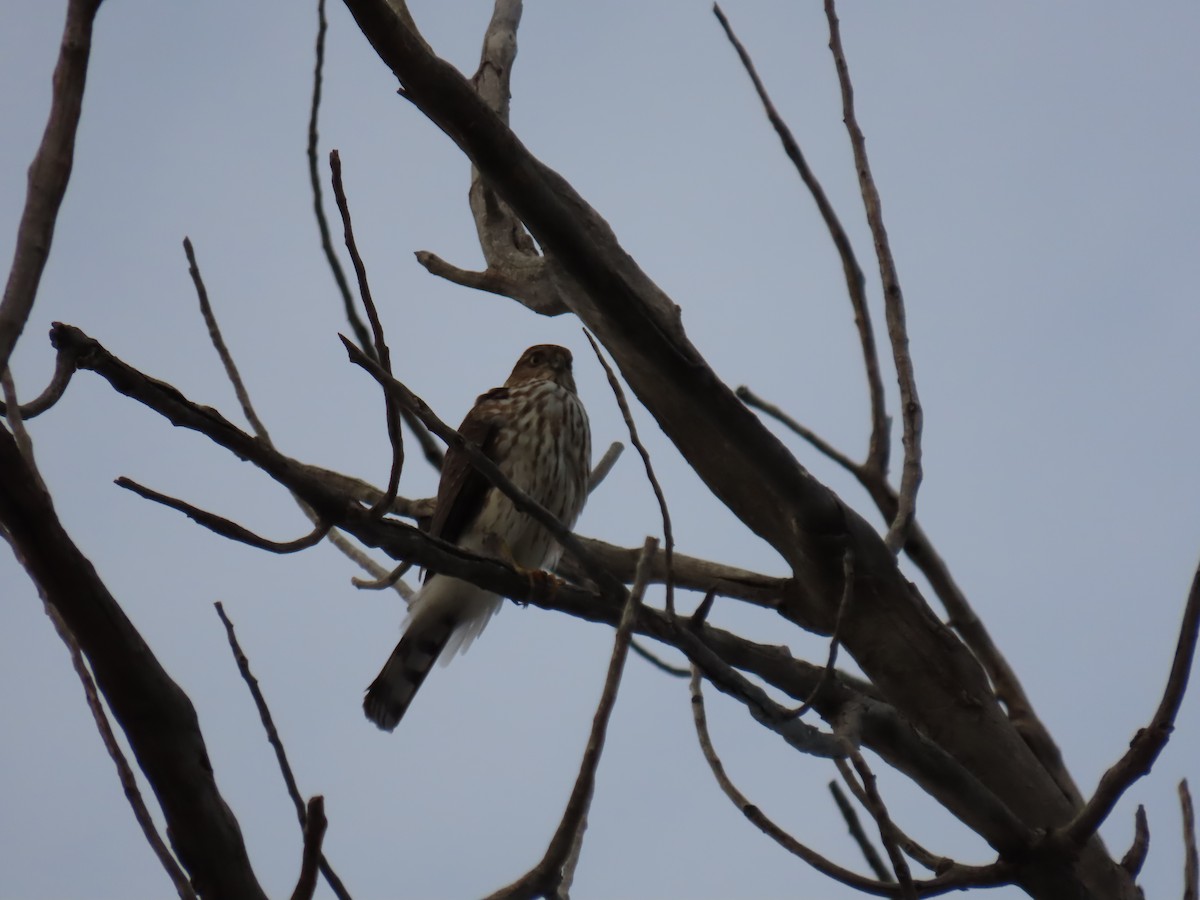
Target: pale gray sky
<point x="1038" y="170"/>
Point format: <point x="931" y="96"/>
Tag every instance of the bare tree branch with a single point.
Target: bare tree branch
<point x="750" y="398"/>
<point x="1191" y="862"/>
<point x="962" y="618"/>
<point x="756" y="815"/>
<point x="314" y="177"/>
<point x="835" y="638"/>
<point x="156" y="715"/>
<point x="48" y="176"/>
<point x="548" y="877"/>
<point x="218" y="342"/>
<point x="307" y="824"/>
<point x="888" y="833"/>
<point x="957" y="878"/>
<point x="429" y="447"/>
<point x="124" y="773"/>
<point x="668" y="536"/>
<point x="1134" y="858"/>
<point x="661" y="665"/>
<point x="225" y="527"/>
<point x="605" y="465"/>
<point x="314" y="833"/>
<point x="1149" y="741"/>
<point x="879" y="446"/>
<point x="916" y="852"/>
<point x="846" y="808"/>
<point x="387" y="580"/>
<point x="382" y="355"/>
<point x="64" y="368"/>
<point x="893" y="299"/>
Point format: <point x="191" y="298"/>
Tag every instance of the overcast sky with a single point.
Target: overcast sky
<point x="1037" y="164"/>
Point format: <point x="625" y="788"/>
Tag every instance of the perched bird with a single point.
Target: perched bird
<point x="535" y="430"/>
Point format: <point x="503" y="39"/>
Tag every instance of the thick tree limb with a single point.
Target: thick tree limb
<point x="156" y="715"/>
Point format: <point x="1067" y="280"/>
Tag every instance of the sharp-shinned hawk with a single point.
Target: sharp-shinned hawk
<point x="535" y="430"/>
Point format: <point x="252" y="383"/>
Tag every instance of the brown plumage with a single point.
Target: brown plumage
<point x="535" y="429"/>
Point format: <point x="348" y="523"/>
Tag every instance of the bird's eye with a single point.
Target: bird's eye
<point x="535" y="358"/>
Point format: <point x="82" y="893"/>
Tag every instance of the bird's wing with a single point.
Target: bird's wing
<point x="462" y="489"/>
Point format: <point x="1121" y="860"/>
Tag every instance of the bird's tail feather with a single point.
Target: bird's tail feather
<point x="445" y="616"/>
<point x="393" y="689"/>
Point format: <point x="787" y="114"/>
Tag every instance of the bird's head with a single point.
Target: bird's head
<point x="543" y="362"/>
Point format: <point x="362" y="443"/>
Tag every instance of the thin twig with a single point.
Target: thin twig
<point x="383" y="356"/>
<point x="752" y="399"/>
<point x="846" y="808"/>
<point x="762" y="708"/>
<point x="757" y="817"/>
<point x="125" y="775"/>
<point x="893" y="298"/>
<point x="888" y="832"/>
<point x="218" y="342"/>
<point x="879" y="447"/>
<point x="388" y="580"/>
<point x="64" y="368"/>
<point x="357" y="554"/>
<point x="931" y="861"/>
<point x="605" y="465"/>
<point x="289" y="780"/>
<point x="1149" y="741"/>
<point x="314" y="177"/>
<point x="668" y="535"/>
<point x="225" y="527"/>
<point x="1191" y="863"/>
<point x="547" y="877"/>
<point x="48" y="176"/>
<point x="653" y="659"/>
<point x="1135" y="856"/>
<point x="834" y="638"/>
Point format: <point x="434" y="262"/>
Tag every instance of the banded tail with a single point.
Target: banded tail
<point x="444" y="617"/>
<point x="393" y="689"/>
